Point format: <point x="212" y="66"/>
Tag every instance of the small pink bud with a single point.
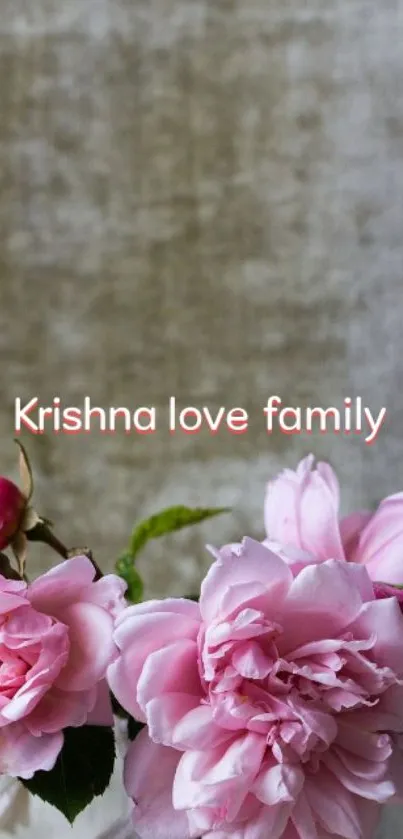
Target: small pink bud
<point x="12" y="503"/>
<point x="383" y="590"/>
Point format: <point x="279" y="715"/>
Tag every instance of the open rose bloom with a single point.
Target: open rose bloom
<point x="274" y="705"/>
<point x="55" y="646"/>
<point x="302" y="512"/>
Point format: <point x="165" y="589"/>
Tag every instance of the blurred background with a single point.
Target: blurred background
<point x="199" y="198"/>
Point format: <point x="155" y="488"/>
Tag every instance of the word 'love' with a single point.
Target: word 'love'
<point x="191" y="419"/>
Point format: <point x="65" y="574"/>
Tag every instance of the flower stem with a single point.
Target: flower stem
<point x="42" y="533"/>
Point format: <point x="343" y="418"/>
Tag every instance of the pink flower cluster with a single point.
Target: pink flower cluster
<point x="274" y="706"/>
<point x="56" y="643"/>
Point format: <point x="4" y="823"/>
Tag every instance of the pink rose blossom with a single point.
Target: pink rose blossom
<point x="271" y="705"/>
<point x="378" y="541"/>
<point x="302" y="511"/>
<point x="56" y="642"/>
<point x="12" y="503"/>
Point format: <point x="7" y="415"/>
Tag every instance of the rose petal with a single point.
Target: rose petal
<point x="62" y="585"/>
<point x="322" y="600"/>
<point x="91" y="646"/>
<point x="278" y="782"/>
<point x="301" y="509"/>
<point x="383" y="619"/>
<point x="197" y="730"/>
<point x="21" y="754"/>
<point x="334" y="805"/>
<point x="351" y="528"/>
<point x="148" y="777"/>
<point x="102" y="713"/>
<point x="165" y="712"/>
<point x="254" y="564"/>
<point x="172" y="668"/>
<point x="141" y="631"/>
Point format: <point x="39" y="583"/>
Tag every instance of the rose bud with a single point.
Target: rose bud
<point x="12" y="504"/>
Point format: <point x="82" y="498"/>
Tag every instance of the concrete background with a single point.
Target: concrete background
<point x="201" y="199"/>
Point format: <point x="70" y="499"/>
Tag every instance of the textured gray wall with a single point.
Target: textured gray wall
<point x="200" y="198"/>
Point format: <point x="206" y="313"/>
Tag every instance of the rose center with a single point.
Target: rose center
<point x="13" y="671"/>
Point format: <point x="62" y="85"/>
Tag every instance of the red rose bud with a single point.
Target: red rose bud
<point x="12" y="503"/>
<point x="383" y="590"/>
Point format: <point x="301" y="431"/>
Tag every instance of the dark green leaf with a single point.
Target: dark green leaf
<point x="194" y="597"/>
<point x="133" y="728"/>
<point x="168" y="521"/>
<point x="126" y="569"/>
<point x="82" y="770"/>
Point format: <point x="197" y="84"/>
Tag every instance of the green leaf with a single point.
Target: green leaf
<point x="126" y="569"/>
<point x="168" y="521"/>
<point x="82" y="771"/>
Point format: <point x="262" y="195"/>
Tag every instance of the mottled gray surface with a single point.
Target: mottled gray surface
<point x="199" y="198"/>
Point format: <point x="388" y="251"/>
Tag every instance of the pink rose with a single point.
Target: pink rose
<point x="12" y="503"/>
<point x="302" y="507"/>
<point x="378" y="541"/>
<point x="56" y="642"/>
<point x="271" y="705"/>
<point x="302" y="512"/>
